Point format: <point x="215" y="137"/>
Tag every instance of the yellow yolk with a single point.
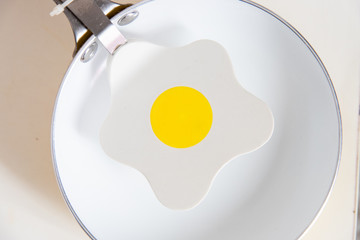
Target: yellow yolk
<point x="181" y="117"/>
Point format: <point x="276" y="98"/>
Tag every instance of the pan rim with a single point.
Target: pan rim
<point x="267" y="11"/>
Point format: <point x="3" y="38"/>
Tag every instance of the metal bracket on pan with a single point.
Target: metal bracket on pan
<point x="89" y="17"/>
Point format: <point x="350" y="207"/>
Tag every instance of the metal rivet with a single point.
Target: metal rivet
<point x="128" y="18"/>
<point x="89" y="53"/>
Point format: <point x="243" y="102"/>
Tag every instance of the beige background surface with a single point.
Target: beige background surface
<point x="35" y="52"/>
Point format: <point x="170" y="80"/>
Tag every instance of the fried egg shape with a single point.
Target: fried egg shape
<point x="178" y="115"/>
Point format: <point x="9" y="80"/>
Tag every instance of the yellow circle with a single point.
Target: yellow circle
<point x="181" y="117"/>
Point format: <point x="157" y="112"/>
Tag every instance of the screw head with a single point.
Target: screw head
<point x="89" y="53"/>
<point x="128" y="18"/>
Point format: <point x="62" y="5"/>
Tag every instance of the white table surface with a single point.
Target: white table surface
<point x="35" y="52"/>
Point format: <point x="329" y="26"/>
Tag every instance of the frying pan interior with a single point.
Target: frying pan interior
<point x="273" y="193"/>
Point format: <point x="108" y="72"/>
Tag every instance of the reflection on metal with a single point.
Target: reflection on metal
<point x="128" y="18"/>
<point x="89" y="52"/>
<point x="80" y="30"/>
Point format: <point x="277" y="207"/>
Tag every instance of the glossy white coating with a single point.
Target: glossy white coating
<point x="272" y="193"/>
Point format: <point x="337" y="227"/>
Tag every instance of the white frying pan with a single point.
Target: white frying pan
<point x="275" y="192"/>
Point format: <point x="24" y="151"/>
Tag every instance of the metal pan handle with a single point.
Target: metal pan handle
<point x="89" y="17"/>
